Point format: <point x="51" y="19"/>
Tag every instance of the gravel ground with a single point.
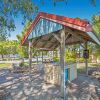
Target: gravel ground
<point x="84" y="88"/>
<point x="33" y="87"/>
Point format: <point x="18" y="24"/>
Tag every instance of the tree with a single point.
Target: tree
<point x="22" y="50"/>
<point x="2" y="51"/>
<point x="9" y="9"/>
<point x="3" y="35"/>
<point x="96" y="24"/>
<point x="93" y="2"/>
<point x="96" y="28"/>
<point x="8" y="47"/>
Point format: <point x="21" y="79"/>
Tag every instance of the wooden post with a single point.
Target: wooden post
<point x="53" y="55"/>
<point x="42" y="56"/>
<point x="37" y="57"/>
<point x="86" y="60"/>
<point x="30" y="55"/>
<point x="62" y="62"/>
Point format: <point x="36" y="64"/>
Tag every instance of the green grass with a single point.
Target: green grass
<point x="27" y="63"/>
<point x="9" y="59"/>
<point x="8" y="65"/>
<point x="95" y="65"/>
<point x="5" y="65"/>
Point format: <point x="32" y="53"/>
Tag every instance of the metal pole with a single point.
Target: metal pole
<point x="30" y="54"/>
<point x="62" y="62"/>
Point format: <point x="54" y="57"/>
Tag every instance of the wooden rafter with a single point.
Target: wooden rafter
<point x="37" y="40"/>
<point x="55" y="35"/>
<point x="72" y="43"/>
<point x="56" y="43"/>
<point x="48" y="41"/>
<point x="77" y="36"/>
<point x="45" y="41"/>
<point x="66" y="37"/>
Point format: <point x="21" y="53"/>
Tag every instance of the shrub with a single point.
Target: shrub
<point x="56" y="59"/>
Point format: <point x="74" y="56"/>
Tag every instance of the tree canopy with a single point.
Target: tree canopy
<point x="9" y="9"/>
<point x="96" y="24"/>
<point x="96" y="27"/>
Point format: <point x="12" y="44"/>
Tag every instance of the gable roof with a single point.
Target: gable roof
<point x="78" y="24"/>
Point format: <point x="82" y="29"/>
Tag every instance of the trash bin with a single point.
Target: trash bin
<point x="66" y="74"/>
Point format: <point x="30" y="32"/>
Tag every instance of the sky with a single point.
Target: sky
<point x="74" y="8"/>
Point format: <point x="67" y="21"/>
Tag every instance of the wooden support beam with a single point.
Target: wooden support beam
<point x="34" y="53"/>
<point x="79" y="38"/>
<point x="42" y="56"/>
<point x="82" y="45"/>
<point x="37" y="40"/>
<point x="57" y="37"/>
<point x="57" y="44"/>
<point x="75" y="35"/>
<point x="37" y="57"/>
<point x="48" y="41"/>
<point x="62" y="63"/>
<point x="76" y="32"/>
<point x="30" y="54"/>
<point x="67" y="36"/>
<point x="86" y="60"/>
<point x="73" y="43"/>
<point x="53" y="55"/>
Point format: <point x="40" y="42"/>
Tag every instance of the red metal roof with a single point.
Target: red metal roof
<point x="81" y="25"/>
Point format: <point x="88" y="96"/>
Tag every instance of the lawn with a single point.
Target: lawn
<point x="80" y="67"/>
<point x="5" y="65"/>
<point x="8" y="65"/>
